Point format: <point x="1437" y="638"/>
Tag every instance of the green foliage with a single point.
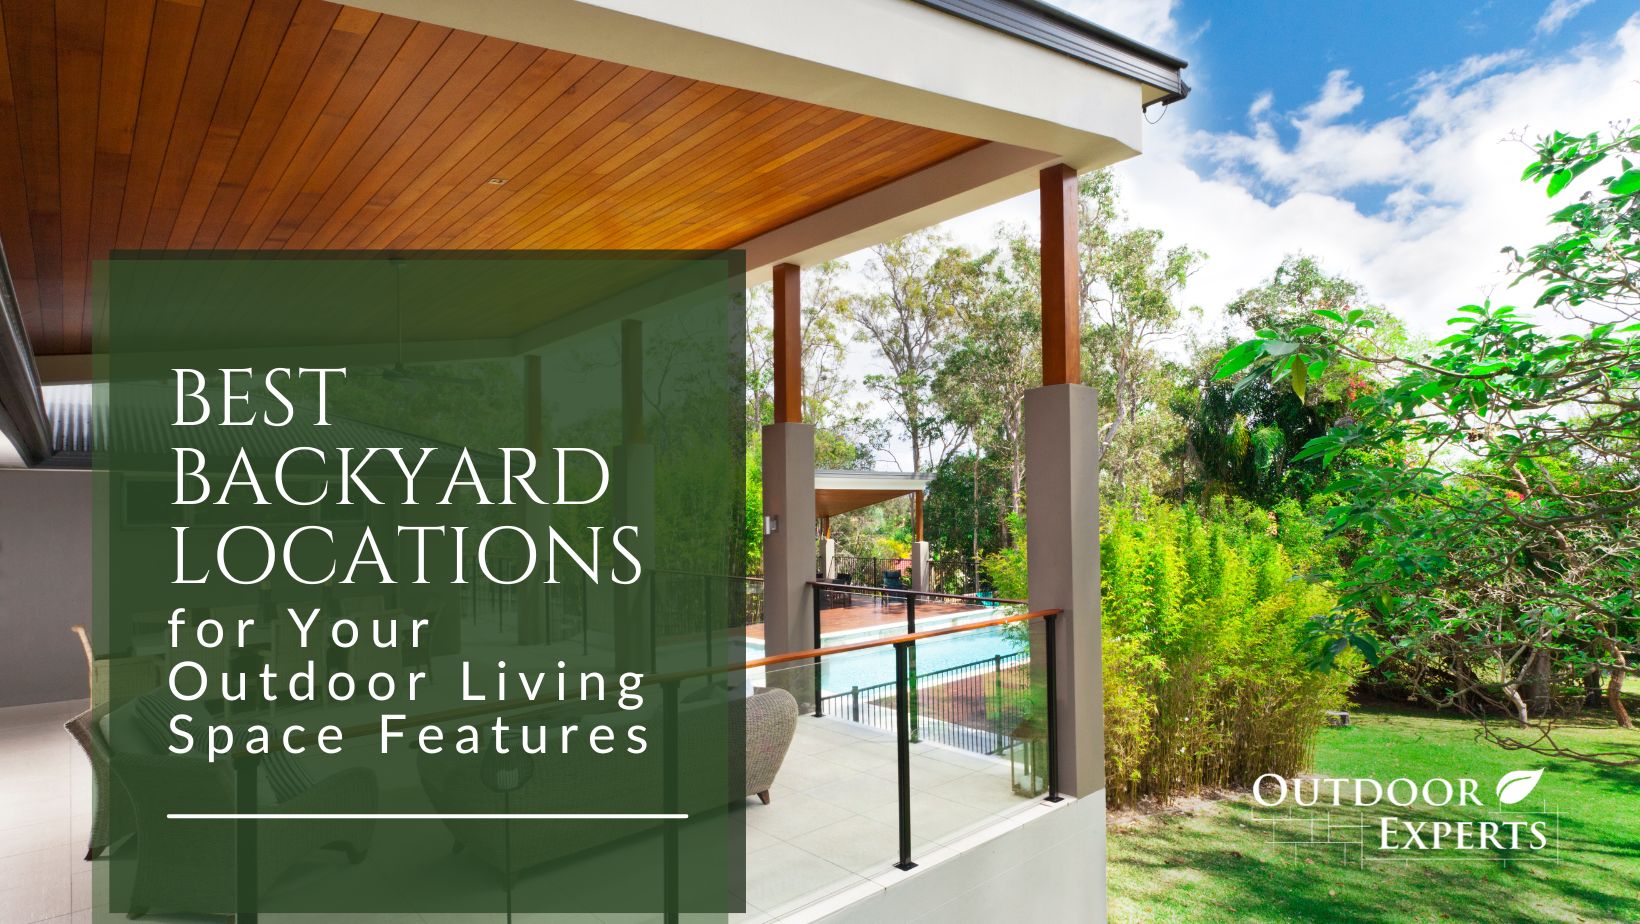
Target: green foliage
<point x="1507" y="539"/>
<point x="1203" y="611"/>
<point x="921" y="283"/>
<point x="966" y="513"/>
<point x="1006" y="568"/>
<point x="1245" y="437"/>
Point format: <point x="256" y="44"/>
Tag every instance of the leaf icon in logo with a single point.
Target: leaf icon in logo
<point x="1517" y="785"/>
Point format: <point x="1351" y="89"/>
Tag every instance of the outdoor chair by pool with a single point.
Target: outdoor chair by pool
<point x="893" y="580"/>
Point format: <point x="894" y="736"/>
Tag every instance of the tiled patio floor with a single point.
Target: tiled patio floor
<point x="830" y="828"/>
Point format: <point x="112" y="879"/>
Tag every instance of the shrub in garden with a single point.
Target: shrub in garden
<point x="1205" y="684"/>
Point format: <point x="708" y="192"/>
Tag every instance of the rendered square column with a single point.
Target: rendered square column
<point x="1062" y="525"/>
<point x="788" y="552"/>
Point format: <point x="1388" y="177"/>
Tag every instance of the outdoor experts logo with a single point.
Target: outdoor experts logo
<point x="1403" y="818"/>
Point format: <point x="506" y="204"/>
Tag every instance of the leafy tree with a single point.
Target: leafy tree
<point x="1510" y="543"/>
<point x="1242" y="437"/>
<point x="919" y="281"/>
<point x="994" y="357"/>
<point x="968" y="509"/>
<point x="1129" y="299"/>
<point x="845" y="434"/>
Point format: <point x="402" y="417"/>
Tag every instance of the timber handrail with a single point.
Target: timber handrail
<point x="894" y="640"/>
<point x="460" y="712"/>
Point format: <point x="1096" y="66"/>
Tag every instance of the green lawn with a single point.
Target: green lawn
<point x="1214" y="862"/>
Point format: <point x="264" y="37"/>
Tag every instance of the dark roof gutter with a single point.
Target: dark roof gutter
<point x="22" y="414"/>
<point x="1052" y="28"/>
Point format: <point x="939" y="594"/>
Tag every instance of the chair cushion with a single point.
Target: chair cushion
<point x="154" y="711"/>
<point x="285" y="776"/>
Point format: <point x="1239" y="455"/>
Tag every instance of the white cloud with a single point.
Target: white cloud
<point x="1338" y="97"/>
<point x="1557" y="13"/>
<point x="1446" y="168"/>
<point x="1263" y="104"/>
<point x="1450" y="163"/>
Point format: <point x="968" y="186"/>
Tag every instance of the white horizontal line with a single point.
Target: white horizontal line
<point x="424" y="816"/>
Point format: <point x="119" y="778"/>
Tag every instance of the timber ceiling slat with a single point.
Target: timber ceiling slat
<point x="170" y="46"/>
<point x="303" y="124"/>
<point x="552" y="163"/>
<point x="428" y="56"/>
<point x="411" y="122"/>
<point x="619" y="88"/>
<point x="451" y="178"/>
<point x="689" y="129"/>
<point x="31" y="43"/>
<point x="306" y="39"/>
<point x="227" y="218"/>
<point x="127" y="31"/>
<point x="391" y="38"/>
<point x="451" y="144"/>
<point x="576" y="178"/>
<point x="739" y="153"/>
<point x="79" y="69"/>
<point x="15" y="231"/>
<point x="221" y="28"/>
<point x="253" y="62"/>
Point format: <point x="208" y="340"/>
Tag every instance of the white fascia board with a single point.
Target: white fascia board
<point x="891" y="59"/>
<point x="870" y="481"/>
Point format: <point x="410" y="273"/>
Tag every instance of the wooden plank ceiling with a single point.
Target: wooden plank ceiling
<point x="300" y="124"/>
<point x="831" y="502"/>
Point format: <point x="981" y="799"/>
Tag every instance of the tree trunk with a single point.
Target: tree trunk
<point x="1466" y="694"/>
<point x="1591" y="689"/>
<point x="1538" y="686"/>
<point x="1614" y="687"/>
<point x="1522" y="714"/>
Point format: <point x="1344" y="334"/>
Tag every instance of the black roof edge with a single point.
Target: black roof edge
<point x="22" y="414"/>
<point x="1057" y="30"/>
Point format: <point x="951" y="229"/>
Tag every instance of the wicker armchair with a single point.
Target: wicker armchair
<point x="81" y="727"/>
<point x="771" y="722"/>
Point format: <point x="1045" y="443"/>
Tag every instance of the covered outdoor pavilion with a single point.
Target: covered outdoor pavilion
<point x="839" y="492"/>
<point x="791" y="130"/>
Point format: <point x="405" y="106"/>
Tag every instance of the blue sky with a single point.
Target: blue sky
<point x="1243" y="50"/>
<point x="1384" y="138"/>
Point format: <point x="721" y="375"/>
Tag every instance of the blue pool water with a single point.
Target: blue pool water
<point x="840" y="673"/>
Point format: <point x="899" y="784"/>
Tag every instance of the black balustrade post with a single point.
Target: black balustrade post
<point x="819" y="707"/>
<point x="997" y="718"/>
<point x="245" y="802"/>
<point x="1052" y="620"/>
<point x="706" y="613"/>
<point x="911" y="627"/>
<point x="902" y="729"/>
<point x="669" y="696"/>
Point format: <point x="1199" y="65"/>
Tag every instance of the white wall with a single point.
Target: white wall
<point x="45" y="584"/>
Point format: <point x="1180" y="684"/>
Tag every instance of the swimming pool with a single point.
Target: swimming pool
<point x="841" y="673"/>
